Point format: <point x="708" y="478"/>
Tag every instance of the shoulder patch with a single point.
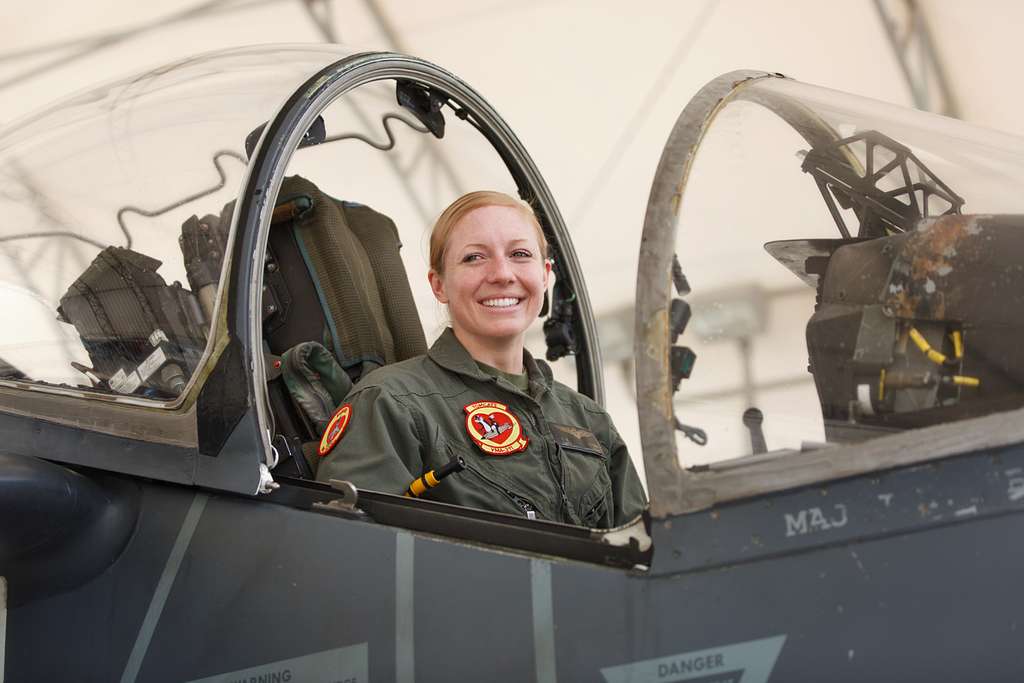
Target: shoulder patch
<point x="335" y="429"/>
<point x="495" y="429"/>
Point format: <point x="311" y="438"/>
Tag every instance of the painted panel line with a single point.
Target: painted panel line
<point x="543" y="621"/>
<point x="163" y="588"/>
<point x="405" y="652"/>
<point x="3" y="624"/>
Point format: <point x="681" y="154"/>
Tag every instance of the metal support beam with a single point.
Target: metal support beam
<point x="437" y="156"/>
<point x="912" y="42"/>
<point x="63" y="53"/>
<point x="320" y="13"/>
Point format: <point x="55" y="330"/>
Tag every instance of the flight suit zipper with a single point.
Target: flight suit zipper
<point x="559" y="478"/>
<point x="590" y="513"/>
<point x="555" y="450"/>
<point x="528" y="508"/>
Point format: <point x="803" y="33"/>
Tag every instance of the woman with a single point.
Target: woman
<point x="532" y="446"/>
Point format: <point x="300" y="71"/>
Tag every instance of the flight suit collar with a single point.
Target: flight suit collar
<point x="449" y="353"/>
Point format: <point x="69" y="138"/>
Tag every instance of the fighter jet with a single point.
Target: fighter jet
<point x="834" y="488"/>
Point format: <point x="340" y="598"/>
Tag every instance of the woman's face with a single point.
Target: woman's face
<point x="494" y="277"/>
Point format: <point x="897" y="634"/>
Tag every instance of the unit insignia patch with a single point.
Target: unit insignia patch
<point x="494" y="428"/>
<point x="335" y="429"/>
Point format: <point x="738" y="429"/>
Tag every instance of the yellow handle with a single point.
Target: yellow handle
<point x="416" y="488"/>
<point x="958" y="344"/>
<point x="926" y="348"/>
<point x="421" y="484"/>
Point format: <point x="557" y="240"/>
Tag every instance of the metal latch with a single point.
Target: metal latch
<point x="346" y="502"/>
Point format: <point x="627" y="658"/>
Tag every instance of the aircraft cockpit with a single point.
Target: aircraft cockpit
<point x="198" y="262"/>
<point x="135" y="320"/>
<point x="841" y="270"/>
<point x="145" y="277"/>
<point x="201" y="262"/>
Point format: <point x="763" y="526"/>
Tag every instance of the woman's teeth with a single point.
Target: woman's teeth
<point x="500" y="303"/>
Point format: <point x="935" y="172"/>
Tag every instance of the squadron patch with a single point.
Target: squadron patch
<point x="494" y="429"/>
<point x="335" y="429"/>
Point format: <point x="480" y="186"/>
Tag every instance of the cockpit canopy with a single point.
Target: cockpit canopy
<point x="817" y="269"/>
<point x="95" y="191"/>
<point x="850" y="269"/>
<point x="119" y="205"/>
<point x="190" y="248"/>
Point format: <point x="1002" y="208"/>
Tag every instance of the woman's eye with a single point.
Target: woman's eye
<point x="522" y="253"/>
<point x="471" y="257"/>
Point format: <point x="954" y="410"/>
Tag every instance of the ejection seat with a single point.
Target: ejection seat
<point x="335" y="289"/>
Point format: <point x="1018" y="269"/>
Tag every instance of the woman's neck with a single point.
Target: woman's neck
<point x="504" y="354"/>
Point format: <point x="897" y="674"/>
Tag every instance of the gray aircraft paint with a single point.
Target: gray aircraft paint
<point x="275" y="583"/>
<point x="752" y="661"/>
<point x="342" y="665"/>
<point x="543" y="621"/>
<point x="325" y="583"/>
<point x="900" y="501"/>
<point x="474" y="614"/>
<point x="163" y="588"/>
<point x="405" y="651"/>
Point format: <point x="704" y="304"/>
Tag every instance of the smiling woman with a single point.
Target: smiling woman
<point x="488" y="264"/>
<point x="525" y="444"/>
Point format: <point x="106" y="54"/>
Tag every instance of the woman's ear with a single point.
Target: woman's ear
<point x="437" y="286"/>
<point x="548" y="263"/>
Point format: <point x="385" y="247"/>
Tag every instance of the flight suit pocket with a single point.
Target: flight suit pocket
<point x="483" y="486"/>
<point x="585" y="475"/>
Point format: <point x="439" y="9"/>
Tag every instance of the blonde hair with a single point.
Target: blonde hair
<point x="470" y="202"/>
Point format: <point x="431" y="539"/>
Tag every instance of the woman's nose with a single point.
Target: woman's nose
<point x="500" y="271"/>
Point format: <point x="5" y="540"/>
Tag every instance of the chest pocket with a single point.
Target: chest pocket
<point x="585" y="475"/>
<point x="486" y="483"/>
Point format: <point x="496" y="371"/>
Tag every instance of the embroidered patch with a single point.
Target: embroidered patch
<point x="494" y="429"/>
<point x="335" y="429"/>
<point x="576" y="438"/>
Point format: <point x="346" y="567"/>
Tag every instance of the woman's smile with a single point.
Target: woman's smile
<point x="502" y="302"/>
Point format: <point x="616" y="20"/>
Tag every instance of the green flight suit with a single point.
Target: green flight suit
<point x="409" y="418"/>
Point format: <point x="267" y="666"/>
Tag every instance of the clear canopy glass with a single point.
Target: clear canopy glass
<point x="123" y="166"/>
<point x="854" y="270"/>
